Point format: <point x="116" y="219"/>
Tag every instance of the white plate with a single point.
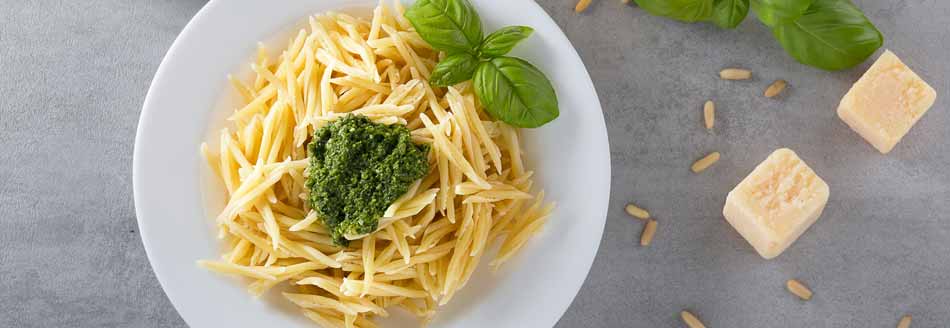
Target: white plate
<point x="570" y="155"/>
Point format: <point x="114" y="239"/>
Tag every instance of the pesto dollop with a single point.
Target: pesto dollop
<point x="357" y="169"/>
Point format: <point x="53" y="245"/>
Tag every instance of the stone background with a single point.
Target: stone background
<point x="73" y="76"/>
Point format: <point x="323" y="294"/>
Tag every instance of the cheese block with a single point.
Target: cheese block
<point x="776" y="203"/>
<point x="886" y="102"/>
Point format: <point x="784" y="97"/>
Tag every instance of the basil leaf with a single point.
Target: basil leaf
<point x="729" y="13"/>
<point x="453" y="69"/>
<point x="502" y="41"/>
<point x="515" y="92"/>
<point x="777" y="12"/>
<point x="452" y="26"/>
<point x="683" y="10"/>
<point x="831" y="35"/>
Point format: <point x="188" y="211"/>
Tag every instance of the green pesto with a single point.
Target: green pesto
<point x="357" y="169"/>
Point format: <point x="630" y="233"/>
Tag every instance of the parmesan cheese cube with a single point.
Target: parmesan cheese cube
<point x="776" y="203"/>
<point x="886" y="102"/>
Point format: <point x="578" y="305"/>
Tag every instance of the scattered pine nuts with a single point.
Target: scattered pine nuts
<point x="905" y="322"/>
<point x="709" y="113"/>
<point x="705" y="162"/>
<point x="637" y="212"/>
<point x="691" y="320"/>
<point x="581" y="5"/>
<point x="648" y="231"/>
<point x="735" y="74"/>
<point x="799" y="289"/>
<point x="775" y="88"/>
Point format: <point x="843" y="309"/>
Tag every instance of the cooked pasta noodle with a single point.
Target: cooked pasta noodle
<point x="429" y="241"/>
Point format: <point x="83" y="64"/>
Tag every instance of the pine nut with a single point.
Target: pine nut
<point x="646" y="237"/>
<point x="581" y="5"/>
<point x="709" y="113"/>
<point x="905" y="322"/>
<point x="691" y="320"/>
<point x="705" y="162"/>
<point x="735" y="74"/>
<point x="775" y="88"/>
<point x="637" y="212"/>
<point x="799" y="289"/>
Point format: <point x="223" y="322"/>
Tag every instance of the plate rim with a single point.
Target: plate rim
<point x="137" y="150"/>
<point x="173" y="51"/>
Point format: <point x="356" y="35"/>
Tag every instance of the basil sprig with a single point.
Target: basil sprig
<point x="831" y="35"/>
<point x="454" y="69"/>
<point x="450" y="26"/>
<point x="511" y="89"/>
<point x="503" y="40"/>
<point x="683" y="10"/>
<point x="776" y="13"/>
<point x="827" y="34"/>
<point x="729" y="13"/>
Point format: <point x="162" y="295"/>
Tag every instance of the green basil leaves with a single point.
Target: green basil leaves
<point x="779" y="12"/>
<point x="514" y="91"/>
<point x="511" y="89"/>
<point x="454" y="69"/>
<point x="683" y="10"/>
<point x="723" y="13"/>
<point x="828" y="34"/>
<point x="449" y="25"/>
<point x="729" y="13"/>
<point x="503" y="40"/>
<point x="831" y="35"/>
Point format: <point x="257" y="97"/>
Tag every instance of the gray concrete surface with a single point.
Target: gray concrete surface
<point x="73" y="75"/>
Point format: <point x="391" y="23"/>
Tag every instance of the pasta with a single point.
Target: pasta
<point x="429" y="241"/>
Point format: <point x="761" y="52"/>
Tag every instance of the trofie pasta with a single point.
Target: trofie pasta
<point x="429" y="241"/>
